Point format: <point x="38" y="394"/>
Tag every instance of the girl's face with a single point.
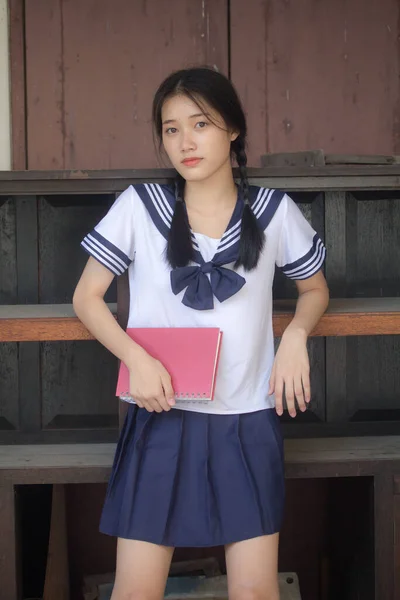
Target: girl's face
<point x="197" y="143"/>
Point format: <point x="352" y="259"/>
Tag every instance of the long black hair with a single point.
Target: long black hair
<point x="203" y="84"/>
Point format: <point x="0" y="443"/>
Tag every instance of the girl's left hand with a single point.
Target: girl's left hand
<point x="291" y="372"/>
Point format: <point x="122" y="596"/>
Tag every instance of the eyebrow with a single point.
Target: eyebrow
<point x="191" y="117"/>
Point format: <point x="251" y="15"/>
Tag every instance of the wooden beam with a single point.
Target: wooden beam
<point x="328" y="177"/>
<point x="42" y="322"/>
<point x="350" y="316"/>
<point x="16" y="459"/>
<point x="9" y="572"/>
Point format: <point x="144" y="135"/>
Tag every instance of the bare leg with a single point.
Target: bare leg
<point x="142" y="570"/>
<point x="252" y="568"/>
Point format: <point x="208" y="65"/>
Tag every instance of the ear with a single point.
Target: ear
<point x="234" y="135"/>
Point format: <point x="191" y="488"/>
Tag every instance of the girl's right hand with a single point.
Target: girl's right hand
<point x="150" y="384"/>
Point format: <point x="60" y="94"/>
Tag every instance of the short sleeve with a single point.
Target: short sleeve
<point x="301" y="252"/>
<point x="112" y="240"/>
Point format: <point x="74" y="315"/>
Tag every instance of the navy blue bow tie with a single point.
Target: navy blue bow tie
<point x="204" y="280"/>
<point x="223" y="283"/>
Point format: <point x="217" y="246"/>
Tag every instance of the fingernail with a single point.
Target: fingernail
<point x="171" y="401"/>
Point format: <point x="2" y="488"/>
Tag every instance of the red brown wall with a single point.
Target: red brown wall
<point x="312" y="74"/>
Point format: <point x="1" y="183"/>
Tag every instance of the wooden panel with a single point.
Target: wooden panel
<point x="78" y="386"/>
<point x="28" y="273"/>
<point x="8" y="294"/>
<point x="63" y="223"/>
<point x="78" y="119"/>
<point x="73" y="395"/>
<point x="373" y="249"/>
<point x="372" y="269"/>
<point x="373" y="380"/>
<point x="317" y="91"/>
<point x="8" y="258"/>
<point x="363" y="255"/>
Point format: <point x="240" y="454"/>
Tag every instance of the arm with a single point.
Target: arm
<point x="150" y="382"/>
<point x="291" y="366"/>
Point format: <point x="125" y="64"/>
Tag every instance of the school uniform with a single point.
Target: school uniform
<point x="203" y="474"/>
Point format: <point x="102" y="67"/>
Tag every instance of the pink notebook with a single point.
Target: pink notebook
<point x="190" y="355"/>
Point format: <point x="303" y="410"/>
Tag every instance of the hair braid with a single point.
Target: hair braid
<point x="252" y="238"/>
<point x="179" y="246"/>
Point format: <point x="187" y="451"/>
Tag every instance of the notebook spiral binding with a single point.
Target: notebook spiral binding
<point x="182" y="397"/>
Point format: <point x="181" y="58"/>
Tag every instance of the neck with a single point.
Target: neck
<point x="219" y="190"/>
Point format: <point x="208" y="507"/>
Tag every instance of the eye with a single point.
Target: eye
<point x="201" y="124"/>
<point x="170" y="130"/>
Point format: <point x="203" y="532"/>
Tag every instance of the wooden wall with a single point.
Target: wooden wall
<point x="312" y="74"/>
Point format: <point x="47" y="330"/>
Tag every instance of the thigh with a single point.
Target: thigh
<point x="142" y="570"/>
<point x="252" y="568"/>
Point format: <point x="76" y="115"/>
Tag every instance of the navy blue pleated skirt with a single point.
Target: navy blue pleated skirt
<point x="189" y="479"/>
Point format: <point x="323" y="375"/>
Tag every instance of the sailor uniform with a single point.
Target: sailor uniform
<point x="203" y="474"/>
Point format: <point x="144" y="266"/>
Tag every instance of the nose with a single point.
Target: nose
<point x="187" y="142"/>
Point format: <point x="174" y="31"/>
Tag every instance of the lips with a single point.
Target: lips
<point x="191" y="162"/>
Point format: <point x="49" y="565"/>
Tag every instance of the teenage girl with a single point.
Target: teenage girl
<point x="202" y="253"/>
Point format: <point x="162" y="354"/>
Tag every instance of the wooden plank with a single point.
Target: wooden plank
<point x="17" y="77"/>
<point x="345" y="317"/>
<point x="56" y="585"/>
<point x="9" y="588"/>
<point x="102" y="434"/>
<point x="281" y="178"/>
<point x="163" y="174"/>
<point x="381" y="449"/>
<point x="335" y="270"/>
<point x="384" y="536"/>
<point x="360" y="159"/>
<point x="247" y="22"/>
<point x="56" y="456"/>
<point x="310" y="158"/>
<point x="27" y="249"/>
<point x="396" y="547"/>
<point x="42" y="322"/>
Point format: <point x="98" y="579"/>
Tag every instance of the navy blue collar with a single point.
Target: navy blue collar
<point x="222" y="283"/>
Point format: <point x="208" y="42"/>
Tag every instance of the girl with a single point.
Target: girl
<point x="202" y="253"/>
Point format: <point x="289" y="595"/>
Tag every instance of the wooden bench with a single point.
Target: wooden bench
<point x="375" y="457"/>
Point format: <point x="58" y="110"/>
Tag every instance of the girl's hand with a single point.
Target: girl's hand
<point x="150" y="384"/>
<point x="291" y="371"/>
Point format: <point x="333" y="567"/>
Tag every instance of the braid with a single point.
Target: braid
<point x="252" y="238"/>
<point x="179" y="245"/>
